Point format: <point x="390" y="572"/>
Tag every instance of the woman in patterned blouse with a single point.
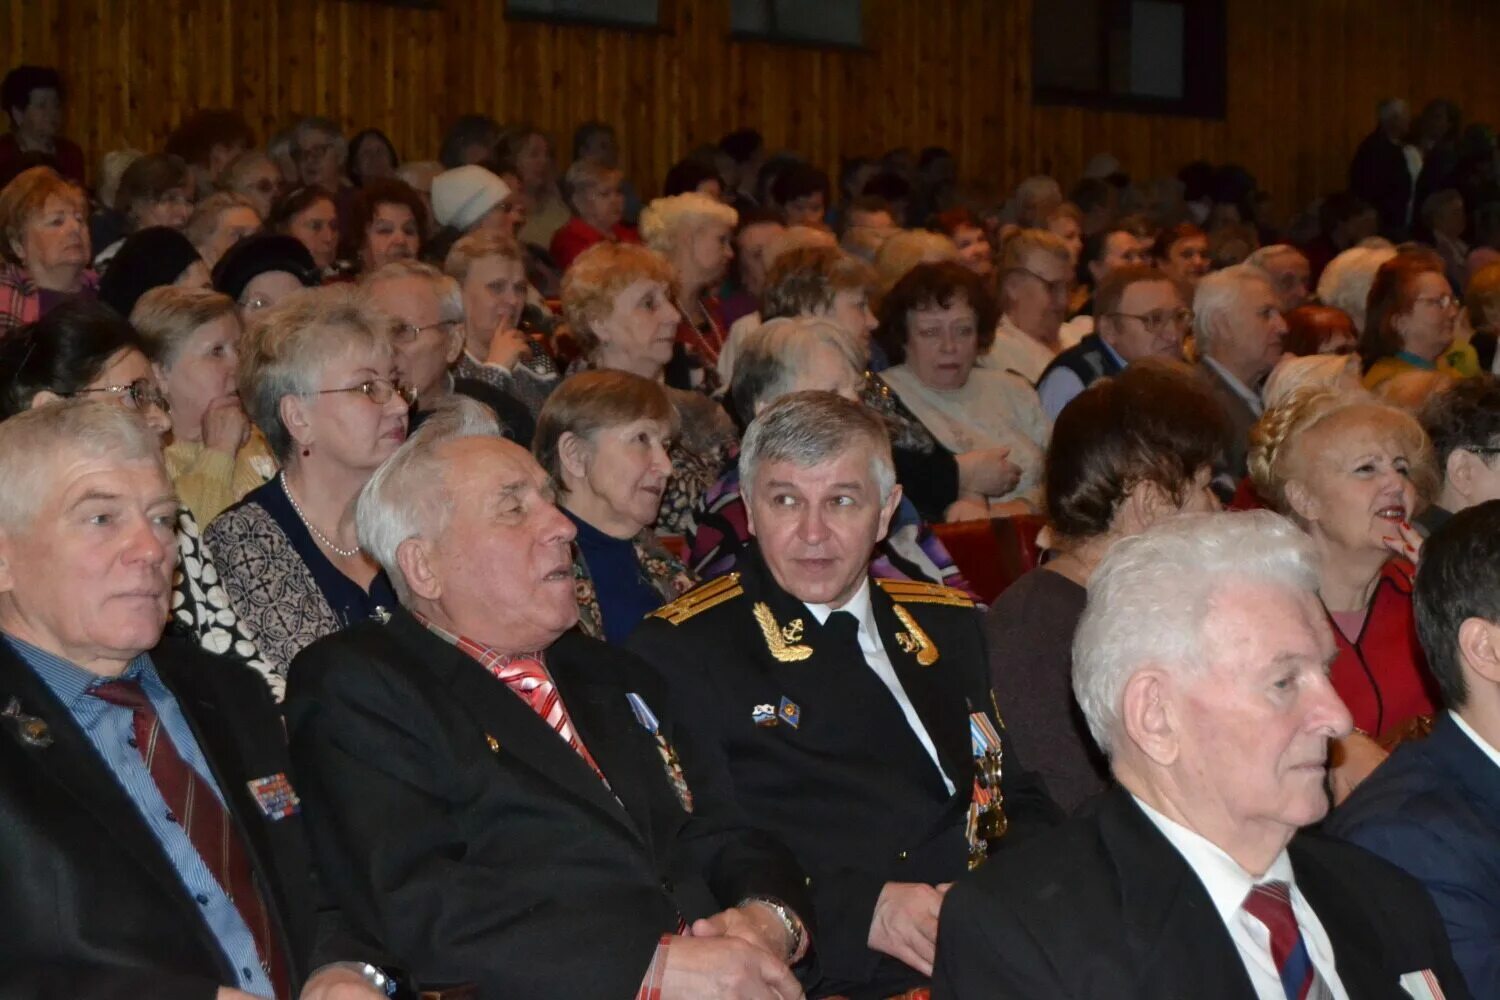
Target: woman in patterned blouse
<point x="317" y="376"/>
<point x="603" y="438"/>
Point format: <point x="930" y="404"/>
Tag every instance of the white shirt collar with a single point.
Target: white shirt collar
<point x="1489" y="751"/>
<point x="1227" y="883"/>
<point x="1236" y="386"/>
<point x="859" y="606"/>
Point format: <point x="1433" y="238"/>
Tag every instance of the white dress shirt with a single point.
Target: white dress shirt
<point x="880" y="662"/>
<point x="1479" y="741"/>
<point x="1228" y="884"/>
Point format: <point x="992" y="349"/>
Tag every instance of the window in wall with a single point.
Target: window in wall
<point x="610" y="13"/>
<point x="830" y="23"/>
<point x="1137" y="55"/>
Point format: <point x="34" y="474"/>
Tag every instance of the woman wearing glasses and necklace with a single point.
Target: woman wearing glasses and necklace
<point x="318" y="377"/>
<point x="84" y="349"/>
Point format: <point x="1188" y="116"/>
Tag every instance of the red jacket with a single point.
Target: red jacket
<point x="1383" y="677"/>
<point x="575" y="236"/>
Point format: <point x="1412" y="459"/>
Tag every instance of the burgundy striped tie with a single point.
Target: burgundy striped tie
<point x="1271" y="904"/>
<point x="199" y="812"/>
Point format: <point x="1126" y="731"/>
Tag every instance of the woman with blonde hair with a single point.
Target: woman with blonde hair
<point x="490" y="269"/>
<point x="692" y="231"/>
<point x="1335" y="372"/>
<point x="1352" y="472"/>
<point x="214" y="455"/>
<point x="44" y="240"/>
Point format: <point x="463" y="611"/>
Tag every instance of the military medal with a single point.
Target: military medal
<point x="671" y="764"/>
<point x="275" y="796"/>
<point x="32" y="731"/>
<point x="987" y="820"/>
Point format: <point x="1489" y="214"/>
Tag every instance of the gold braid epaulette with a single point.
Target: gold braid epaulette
<point x="715" y="591"/>
<point x="922" y="592"/>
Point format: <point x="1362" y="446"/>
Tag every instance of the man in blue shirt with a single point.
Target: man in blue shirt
<point x="151" y="835"/>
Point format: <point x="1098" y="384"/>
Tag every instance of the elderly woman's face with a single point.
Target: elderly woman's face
<point x="974" y="250"/>
<point x="494" y="293"/>
<point x="374" y="160"/>
<point x="265" y="290"/>
<point x="1352" y="479"/>
<point x="345" y="426"/>
<point x="1426" y="329"/>
<point x="1066" y="228"/>
<point x="534" y="161"/>
<point x="708" y="252"/>
<point x="514" y="205"/>
<point x="317" y="228"/>
<point x="92" y="572"/>
<point x="1187" y="260"/>
<point x="752" y="243"/>
<point x="259" y="184"/>
<point x="1255" y="718"/>
<point x="616" y="477"/>
<point x="392" y="235"/>
<point x="602" y="206"/>
<point x="235" y="223"/>
<point x="172" y="209"/>
<point x="851" y="310"/>
<point x="942" y="344"/>
<point x="204" y="372"/>
<point x="129" y="380"/>
<point x="425" y="342"/>
<point x="641" y="326"/>
<point x="57" y="237"/>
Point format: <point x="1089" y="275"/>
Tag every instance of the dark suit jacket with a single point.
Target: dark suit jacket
<point x="1106" y="909"/>
<point x="1381" y="176"/>
<point x="1241" y="418"/>
<point x="90" y="904"/>
<point x="849" y="788"/>
<point x="1433" y="809"/>
<point x="474" y="845"/>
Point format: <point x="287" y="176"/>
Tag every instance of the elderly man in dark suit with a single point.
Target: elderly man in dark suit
<point x="851" y="717"/>
<point x="1433" y="807"/>
<point x="495" y="798"/>
<point x="1238" y="331"/>
<point x="1201" y="666"/>
<point x="151" y="839"/>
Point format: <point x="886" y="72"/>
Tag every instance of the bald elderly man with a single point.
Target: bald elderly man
<point x="1201" y="666"/>
<point x="150" y="833"/>
<point x="495" y="798"/>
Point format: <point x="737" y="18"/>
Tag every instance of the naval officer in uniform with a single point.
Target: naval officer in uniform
<point x="852" y="717"/>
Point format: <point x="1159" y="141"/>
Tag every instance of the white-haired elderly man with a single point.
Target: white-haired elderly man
<point x="1201" y="667"/>
<point x="151" y="839"/>
<point x="1238" y="330"/>
<point x="492" y="794"/>
<point x="427" y="330"/>
<point x="852" y="718"/>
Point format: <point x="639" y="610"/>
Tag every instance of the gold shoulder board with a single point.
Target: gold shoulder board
<point x="922" y="592"/>
<point x="701" y="598"/>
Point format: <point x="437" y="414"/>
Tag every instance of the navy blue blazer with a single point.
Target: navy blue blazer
<point x="1433" y="808"/>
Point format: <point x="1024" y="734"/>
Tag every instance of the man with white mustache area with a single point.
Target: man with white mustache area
<point x="494" y="793"/>
<point x="1201" y="667"/>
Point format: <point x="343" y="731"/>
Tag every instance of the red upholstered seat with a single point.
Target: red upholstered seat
<point x="993" y="554"/>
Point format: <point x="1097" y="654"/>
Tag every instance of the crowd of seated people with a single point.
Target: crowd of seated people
<point x="482" y="576"/>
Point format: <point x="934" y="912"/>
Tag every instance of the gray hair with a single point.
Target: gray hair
<point x="587" y="175"/>
<point x="808" y="428"/>
<point x="1217" y="296"/>
<point x="408" y="495"/>
<point x="288" y="345"/>
<point x="770" y="356"/>
<point x="1345" y="282"/>
<point x="1148" y="602"/>
<point x="205" y="219"/>
<point x="449" y="294"/>
<point x="33" y="444"/>
<point x="1261" y="259"/>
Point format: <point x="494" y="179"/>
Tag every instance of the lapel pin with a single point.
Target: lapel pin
<point x="32" y="731"/>
<point x="763" y="715"/>
<point x="789" y="713"/>
<point x="494" y="744"/>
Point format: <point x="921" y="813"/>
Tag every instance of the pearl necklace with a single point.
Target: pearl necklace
<point x="341" y="553"/>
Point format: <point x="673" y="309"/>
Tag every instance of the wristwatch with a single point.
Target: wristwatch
<point x="792" y="923"/>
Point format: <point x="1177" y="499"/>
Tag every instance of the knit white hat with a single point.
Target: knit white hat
<point x="461" y="196"/>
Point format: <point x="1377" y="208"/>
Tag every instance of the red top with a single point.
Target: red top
<point x="68" y="161"/>
<point x="575" y="236"/>
<point x="1383" y="677"/>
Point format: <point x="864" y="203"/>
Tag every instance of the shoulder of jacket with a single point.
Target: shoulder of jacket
<point x="922" y="592"/>
<point x="700" y="599"/>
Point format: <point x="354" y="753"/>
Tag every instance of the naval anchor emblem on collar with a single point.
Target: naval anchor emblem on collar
<point x="32" y="731"/>
<point x="782" y="642"/>
<point x="914" y="640"/>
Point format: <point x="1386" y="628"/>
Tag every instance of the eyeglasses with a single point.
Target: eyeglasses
<point x="378" y="391"/>
<point x="137" y="395"/>
<point x="1057" y="289"/>
<point x="406" y="333"/>
<point x="1161" y="320"/>
<point x="1441" y="301"/>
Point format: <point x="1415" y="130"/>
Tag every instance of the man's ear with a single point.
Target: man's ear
<point x="888" y="511"/>
<point x="414" y="558"/>
<point x="1479" y="648"/>
<point x="7" y="562"/>
<point x="1459" y="471"/>
<point x="1148" y="716"/>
